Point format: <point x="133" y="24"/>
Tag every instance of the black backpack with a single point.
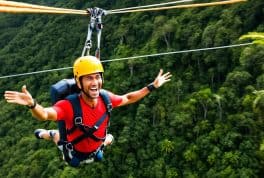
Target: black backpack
<point x="67" y="89"/>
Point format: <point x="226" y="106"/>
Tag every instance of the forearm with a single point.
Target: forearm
<point x="135" y="96"/>
<point x="41" y="113"/>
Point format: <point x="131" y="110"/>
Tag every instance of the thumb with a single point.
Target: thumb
<point x="24" y="89"/>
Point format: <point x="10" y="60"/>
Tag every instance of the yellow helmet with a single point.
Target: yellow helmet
<point x="86" y="65"/>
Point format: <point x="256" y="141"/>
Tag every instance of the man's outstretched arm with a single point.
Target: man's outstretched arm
<point x="139" y="94"/>
<point x="25" y="98"/>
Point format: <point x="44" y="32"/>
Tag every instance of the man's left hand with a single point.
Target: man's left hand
<point x="161" y="79"/>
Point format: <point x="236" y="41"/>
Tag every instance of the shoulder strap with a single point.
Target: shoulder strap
<point x="76" y="105"/>
<point x="77" y="112"/>
<point x="77" y="119"/>
<point x="107" y="101"/>
<point x="74" y="99"/>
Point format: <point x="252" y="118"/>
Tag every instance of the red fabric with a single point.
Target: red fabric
<point x="90" y="116"/>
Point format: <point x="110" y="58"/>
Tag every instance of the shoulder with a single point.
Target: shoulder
<point x="114" y="98"/>
<point x="63" y="109"/>
<point x="62" y="103"/>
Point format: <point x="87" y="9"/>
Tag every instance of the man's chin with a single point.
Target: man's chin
<point x="94" y="95"/>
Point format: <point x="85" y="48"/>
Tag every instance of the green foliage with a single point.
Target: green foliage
<point x="206" y="122"/>
<point x="257" y="37"/>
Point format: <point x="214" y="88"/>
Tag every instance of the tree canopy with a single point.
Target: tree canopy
<point x="206" y="122"/>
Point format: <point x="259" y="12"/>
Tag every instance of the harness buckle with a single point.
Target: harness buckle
<point x="69" y="146"/>
<point x="87" y="161"/>
<point x="109" y="107"/>
<point x="78" y="121"/>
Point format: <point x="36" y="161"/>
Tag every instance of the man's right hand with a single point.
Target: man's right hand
<point x="21" y="98"/>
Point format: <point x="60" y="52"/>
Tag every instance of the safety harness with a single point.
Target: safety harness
<point x="67" y="89"/>
<point x="71" y="155"/>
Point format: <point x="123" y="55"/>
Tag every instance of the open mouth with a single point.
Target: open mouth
<point x="94" y="90"/>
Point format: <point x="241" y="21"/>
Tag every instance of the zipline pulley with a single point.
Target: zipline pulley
<point x="95" y="24"/>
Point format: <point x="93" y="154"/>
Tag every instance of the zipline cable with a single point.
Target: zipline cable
<point x="180" y="6"/>
<point x="152" y="5"/>
<point x="177" y="52"/>
<point x="133" y="57"/>
<point x="29" y="8"/>
<point x="40" y="11"/>
<point x="19" y="7"/>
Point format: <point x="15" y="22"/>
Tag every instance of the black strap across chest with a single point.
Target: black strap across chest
<point x="78" y="118"/>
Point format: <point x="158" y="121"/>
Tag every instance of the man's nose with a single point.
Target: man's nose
<point x="95" y="81"/>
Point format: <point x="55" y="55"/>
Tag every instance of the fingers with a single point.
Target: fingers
<point x="10" y="94"/>
<point x="11" y="97"/>
<point x="21" y="98"/>
<point x="24" y="89"/>
<point x="163" y="78"/>
<point x="15" y="97"/>
<point x="10" y="101"/>
<point x="160" y="72"/>
<point x="167" y="76"/>
<point x="167" y="80"/>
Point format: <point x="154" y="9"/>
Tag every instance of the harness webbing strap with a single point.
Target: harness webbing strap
<point x="77" y="111"/>
<point x="78" y="120"/>
<point x="89" y="133"/>
<point x="76" y="105"/>
<point x="70" y="154"/>
<point x="62" y="130"/>
<point x="107" y="101"/>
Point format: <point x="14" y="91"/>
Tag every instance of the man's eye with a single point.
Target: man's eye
<point x="88" y="78"/>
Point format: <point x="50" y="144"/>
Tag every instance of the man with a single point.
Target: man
<point x="88" y="74"/>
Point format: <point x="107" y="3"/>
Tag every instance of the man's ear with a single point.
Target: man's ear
<point x="78" y="83"/>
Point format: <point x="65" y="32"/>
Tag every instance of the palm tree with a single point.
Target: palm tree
<point x="167" y="146"/>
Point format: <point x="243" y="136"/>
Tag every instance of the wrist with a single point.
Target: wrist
<point x="151" y="87"/>
<point x="33" y="105"/>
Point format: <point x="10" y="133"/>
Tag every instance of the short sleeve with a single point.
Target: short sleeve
<point x="115" y="99"/>
<point x="63" y="109"/>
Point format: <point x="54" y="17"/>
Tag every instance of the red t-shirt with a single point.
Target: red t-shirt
<point x="90" y="116"/>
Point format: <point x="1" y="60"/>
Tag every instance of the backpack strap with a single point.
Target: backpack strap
<point x="77" y="111"/>
<point x="76" y="106"/>
<point x="68" y="147"/>
<point x="107" y="101"/>
<point x="78" y="121"/>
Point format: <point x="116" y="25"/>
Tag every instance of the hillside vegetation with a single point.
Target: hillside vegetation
<point x="206" y="122"/>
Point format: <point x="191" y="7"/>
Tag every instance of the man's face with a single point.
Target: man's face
<point x="92" y="84"/>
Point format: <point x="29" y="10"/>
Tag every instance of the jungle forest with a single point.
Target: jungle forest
<point x="207" y="122"/>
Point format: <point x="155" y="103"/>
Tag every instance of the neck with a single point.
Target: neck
<point x="92" y="102"/>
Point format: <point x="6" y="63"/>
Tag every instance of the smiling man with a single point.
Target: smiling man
<point x="85" y="135"/>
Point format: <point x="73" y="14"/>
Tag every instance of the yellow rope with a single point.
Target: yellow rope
<point x="29" y="10"/>
<point x="18" y="7"/>
<point x="180" y="6"/>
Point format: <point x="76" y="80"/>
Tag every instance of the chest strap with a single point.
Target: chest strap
<point x="70" y="154"/>
<point x="78" y="119"/>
